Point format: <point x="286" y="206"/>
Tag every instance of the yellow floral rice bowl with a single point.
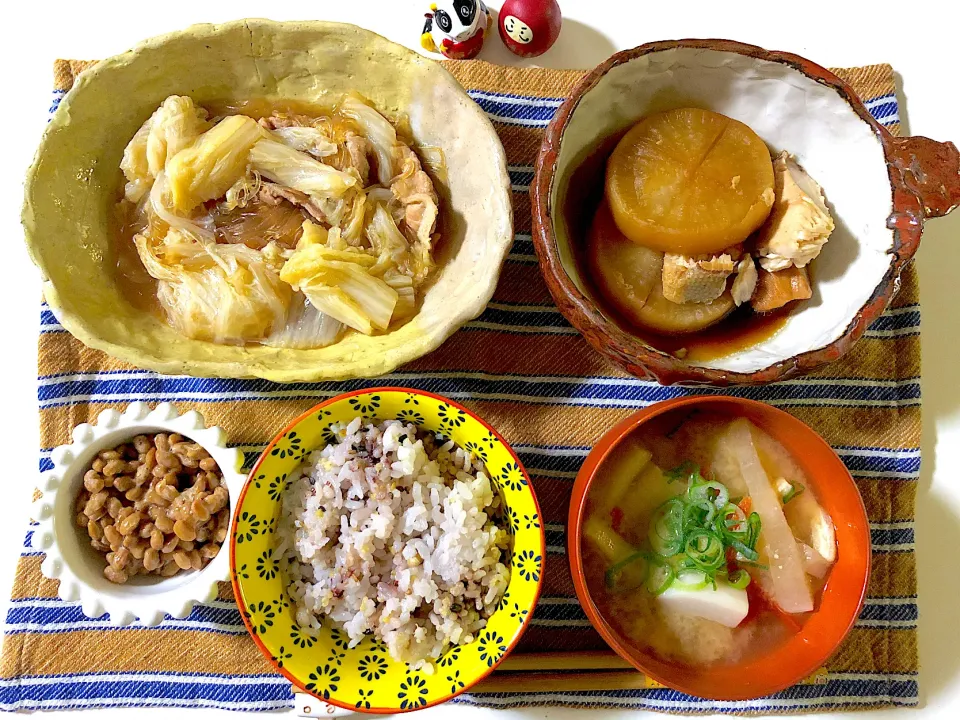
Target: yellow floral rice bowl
<point x="321" y="661"/>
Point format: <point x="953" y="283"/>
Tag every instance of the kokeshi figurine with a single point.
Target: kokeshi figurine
<point x="456" y="28"/>
<point x="529" y="27"/>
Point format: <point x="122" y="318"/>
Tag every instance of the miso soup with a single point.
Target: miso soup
<point x="704" y="541"/>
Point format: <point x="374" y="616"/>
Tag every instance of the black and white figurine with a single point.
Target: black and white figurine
<point x="456" y="28"/>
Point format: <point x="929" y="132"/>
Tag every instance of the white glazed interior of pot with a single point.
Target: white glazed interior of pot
<point x="790" y="111"/>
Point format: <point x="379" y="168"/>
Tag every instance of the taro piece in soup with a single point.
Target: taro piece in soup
<point x="705" y="542"/>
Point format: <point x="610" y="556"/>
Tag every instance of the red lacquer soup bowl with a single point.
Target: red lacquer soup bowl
<point x="802" y="653"/>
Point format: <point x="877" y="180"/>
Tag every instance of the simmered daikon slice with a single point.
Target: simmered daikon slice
<point x="690" y="181"/>
<point x="629" y="277"/>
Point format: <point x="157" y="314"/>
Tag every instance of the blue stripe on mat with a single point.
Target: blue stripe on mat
<point x="531" y="390"/>
<point x="230" y="692"/>
<point x="892" y="324"/>
<point x="53" y="616"/>
<point x="263" y="691"/>
<point x="533" y="111"/>
<point x="833" y="694"/>
<point x="564" y="462"/>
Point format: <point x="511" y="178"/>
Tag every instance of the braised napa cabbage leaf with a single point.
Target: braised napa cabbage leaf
<point x="223" y="204"/>
<point x="177" y="123"/>
<point x="294" y="169"/>
<point x="213" y="163"/>
<point x="307" y="139"/>
<point x="339" y="283"/>
<point x="378" y="131"/>
<point x="217" y="292"/>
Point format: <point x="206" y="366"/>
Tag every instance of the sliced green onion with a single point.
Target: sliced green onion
<point x="754" y="522"/>
<point x="691" y="580"/>
<point x="660" y="577"/>
<point x="683" y="471"/>
<point x="629" y="573"/>
<point x="666" y="528"/>
<point x="795" y="489"/>
<point x="733" y="517"/>
<point x="698" y="514"/>
<point x="732" y="523"/>
<point x="681" y="561"/>
<point x="705" y="549"/>
<point x="744" y="552"/>
<point x="711" y="491"/>
<point x="691" y="536"/>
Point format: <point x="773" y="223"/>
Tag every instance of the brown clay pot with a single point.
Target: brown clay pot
<point x="888" y="184"/>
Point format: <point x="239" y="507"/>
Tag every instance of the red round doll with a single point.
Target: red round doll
<point x="529" y="27"/>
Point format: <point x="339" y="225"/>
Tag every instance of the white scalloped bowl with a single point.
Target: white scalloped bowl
<point x="79" y="568"/>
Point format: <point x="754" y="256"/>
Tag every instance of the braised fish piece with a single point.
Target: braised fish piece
<point x="799" y="223"/>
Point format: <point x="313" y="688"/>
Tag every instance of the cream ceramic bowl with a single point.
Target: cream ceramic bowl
<point x="879" y="190"/>
<point x="75" y="182"/>
<point x="78" y="567"/>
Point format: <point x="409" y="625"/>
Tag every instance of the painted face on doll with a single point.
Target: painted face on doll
<point x="518" y="30"/>
<point x="466" y="10"/>
<point x="457" y="18"/>
<point x="529" y="28"/>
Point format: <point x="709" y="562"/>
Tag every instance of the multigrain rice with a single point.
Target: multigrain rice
<point x="391" y="533"/>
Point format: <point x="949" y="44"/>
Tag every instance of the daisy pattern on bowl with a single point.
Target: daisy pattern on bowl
<point x="282" y="654"/>
<point x="450" y="417"/>
<point x="371" y="667"/>
<point x="475" y="449"/>
<point x="492" y="647"/>
<point x="456" y="684"/>
<point x="248" y="525"/>
<point x="408" y="415"/>
<point x="276" y="487"/>
<point x="413" y="693"/>
<point x="324" y="680"/>
<point x="512" y="477"/>
<point x="261" y="616"/>
<point x="528" y="564"/>
<point x="301" y="638"/>
<point x="288" y="445"/>
<point x="365" y="404"/>
<point x="449" y="657"/>
<point x="364" y="702"/>
<point x="267" y="565"/>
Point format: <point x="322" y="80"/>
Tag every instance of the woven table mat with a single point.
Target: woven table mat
<point x="525" y="370"/>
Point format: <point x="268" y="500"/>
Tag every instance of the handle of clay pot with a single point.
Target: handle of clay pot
<point x="930" y="170"/>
